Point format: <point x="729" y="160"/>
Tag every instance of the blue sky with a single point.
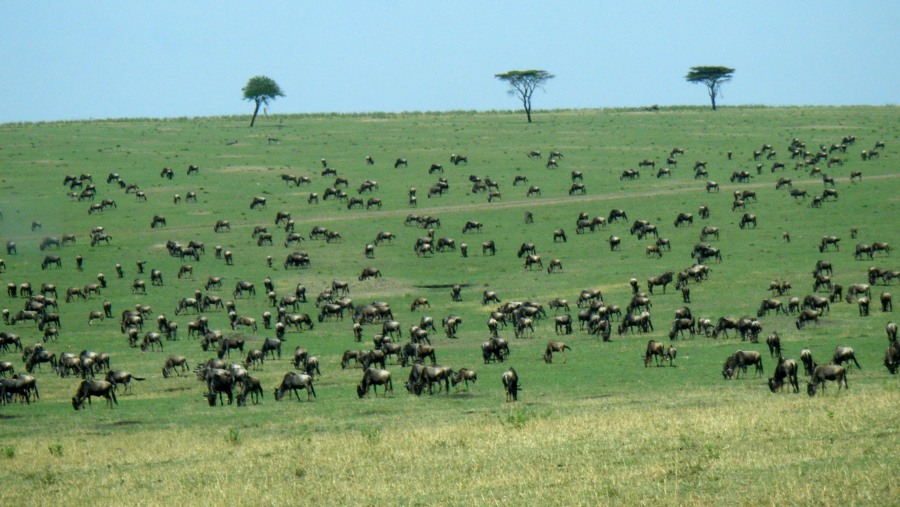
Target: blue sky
<point x="67" y="60"/>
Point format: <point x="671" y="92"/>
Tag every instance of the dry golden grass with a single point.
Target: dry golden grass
<point x="648" y="449"/>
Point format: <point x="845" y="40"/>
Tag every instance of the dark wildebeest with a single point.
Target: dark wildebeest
<point x="173" y="363"/>
<point x="374" y="377"/>
<point x="844" y="355"/>
<point x="786" y="369"/>
<point x="89" y="388"/>
<point x="826" y="372"/>
<point x="555" y="347"/>
<point x="738" y="362"/>
<point x="122" y="377"/>
<point x="511" y="384"/>
<point x="294" y="381"/>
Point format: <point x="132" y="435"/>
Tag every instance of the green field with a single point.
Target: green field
<point x="599" y="428"/>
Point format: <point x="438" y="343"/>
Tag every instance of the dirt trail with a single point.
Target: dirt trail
<point x="687" y="187"/>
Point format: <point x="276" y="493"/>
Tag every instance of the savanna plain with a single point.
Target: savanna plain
<point x="597" y="427"/>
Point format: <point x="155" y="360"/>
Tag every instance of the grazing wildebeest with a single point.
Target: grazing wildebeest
<point x="655" y="350"/>
<point x="294" y="381"/>
<point x="173" y="363"/>
<point x="51" y="259"/>
<point x="807" y="315"/>
<point x="555" y="347"/>
<point x="738" y="362"/>
<point x="786" y="369"/>
<point x="399" y="162"/>
<point x="90" y="388"/>
<point x="151" y="340"/>
<point x="374" y="377"/>
<point x="747" y="220"/>
<point x="510" y="381"/>
<point x="826" y="372"/>
<point x="158" y="221"/>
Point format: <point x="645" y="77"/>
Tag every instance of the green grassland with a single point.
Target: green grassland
<point x="599" y="428"/>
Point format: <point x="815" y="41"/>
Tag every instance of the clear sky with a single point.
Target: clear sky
<point x="66" y="60"/>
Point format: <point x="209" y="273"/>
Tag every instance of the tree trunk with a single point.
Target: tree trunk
<point x="528" y="113"/>
<point x="712" y="97"/>
<point x="256" y="111"/>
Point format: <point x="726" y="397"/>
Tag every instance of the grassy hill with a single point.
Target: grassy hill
<point x="597" y="428"/>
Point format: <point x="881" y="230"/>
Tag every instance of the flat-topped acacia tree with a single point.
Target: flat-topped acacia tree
<point x="522" y="84"/>
<point x="712" y="77"/>
<point x="261" y="89"/>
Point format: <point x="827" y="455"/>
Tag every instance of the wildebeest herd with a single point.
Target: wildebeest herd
<point x="37" y="315"/>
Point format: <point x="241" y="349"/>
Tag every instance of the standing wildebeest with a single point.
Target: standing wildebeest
<point x="374" y="377"/>
<point x="891" y="330"/>
<point x="664" y="280"/>
<point x="844" y="355"/>
<point x="89" y="388"/>
<point x="122" y="377"/>
<point x="510" y="381"/>
<point x="293" y="381"/>
<point x="242" y="287"/>
<point x="827" y="372"/>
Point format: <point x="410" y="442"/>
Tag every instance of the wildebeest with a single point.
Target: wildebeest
<point x="51" y="260"/>
<point x="786" y="369"/>
<point x="510" y="381"/>
<point x="464" y="375"/>
<point x="664" y="280"/>
<point x="294" y="381"/>
<point x="123" y="377"/>
<point x="844" y="354"/>
<point x="151" y="340"/>
<point x="824" y="373"/>
<point x="374" y="377"/>
<point x="738" y="362"/>
<point x="173" y="363"/>
<point x="243" y="286"/>
<point x="399" y="162"/>
<point x="555" y="346"/>
<point x="747" y="220"/>
<point x="90" y="388"/>
<point x="684" y="218"/>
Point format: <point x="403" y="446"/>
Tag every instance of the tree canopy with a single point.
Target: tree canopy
<point x="260" y="90"/>
<point x="712" y="77"/>
<point x="522" y="84"/>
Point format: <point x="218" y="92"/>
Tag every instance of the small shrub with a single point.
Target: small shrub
<point x="55" y="450"/>
<point x="233" y="437"/>
<point x="9" y="451"/>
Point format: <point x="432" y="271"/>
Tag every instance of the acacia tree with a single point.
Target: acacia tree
<point x="712" y="77"/>
<point x="261" y="89"/>
<point x="522" y="84"/>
